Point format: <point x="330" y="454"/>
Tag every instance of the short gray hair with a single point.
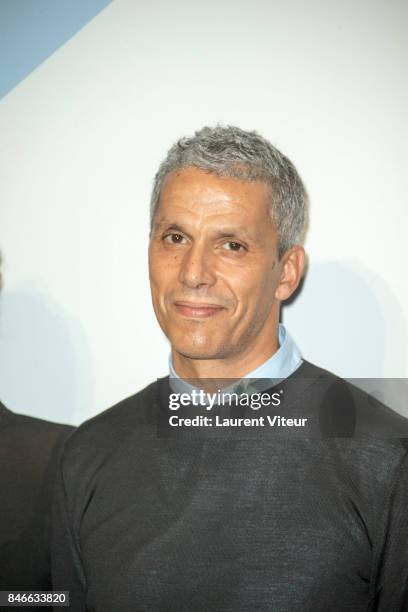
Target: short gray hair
<point x="230" y="151"/>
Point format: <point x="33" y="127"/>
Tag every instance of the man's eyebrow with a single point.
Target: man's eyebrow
<point x="224" y="232"/>
<point x="238" y="232"/>
<point x="168" y="226"/>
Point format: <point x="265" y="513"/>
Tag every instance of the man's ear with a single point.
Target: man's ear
<point x="292" y="265"/>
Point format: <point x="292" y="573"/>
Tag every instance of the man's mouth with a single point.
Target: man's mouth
<point x="197" y="310"/>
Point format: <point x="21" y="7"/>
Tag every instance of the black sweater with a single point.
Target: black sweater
<point x="146" y="521"/>
<point x="29" y="450"/>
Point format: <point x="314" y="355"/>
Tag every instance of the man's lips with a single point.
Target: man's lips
<point x="197" y="310"/>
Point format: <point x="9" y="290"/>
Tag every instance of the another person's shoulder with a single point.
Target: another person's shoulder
<point x="19" y="431"/>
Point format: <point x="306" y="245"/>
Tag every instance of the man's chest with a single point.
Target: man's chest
<point x="216" y="531"/>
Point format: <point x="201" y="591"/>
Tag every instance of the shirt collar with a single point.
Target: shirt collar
<point x="283" y="363"/>
<point x="280" y="365"/>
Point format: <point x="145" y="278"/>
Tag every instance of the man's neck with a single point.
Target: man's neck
<point x="236" y="366"/>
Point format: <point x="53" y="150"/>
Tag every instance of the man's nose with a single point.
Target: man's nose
<point x="197" y="267"/>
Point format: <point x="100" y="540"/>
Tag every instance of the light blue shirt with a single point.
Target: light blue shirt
<point x="282" y="364"/>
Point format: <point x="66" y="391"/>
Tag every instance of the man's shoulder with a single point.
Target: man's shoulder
<point x="133" y="409"/>
<point x="346" y="410"/>
<point x="108" y="428"/>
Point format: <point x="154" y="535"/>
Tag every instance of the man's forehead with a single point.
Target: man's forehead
<point x="191" y="181"/>
<point x="192" y="198"/>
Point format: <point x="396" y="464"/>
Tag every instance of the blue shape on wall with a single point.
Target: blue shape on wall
<point x="31" y="30"/>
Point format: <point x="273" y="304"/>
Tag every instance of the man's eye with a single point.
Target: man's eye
<point x="174" y="238"/>
<point x="233" y="246"/>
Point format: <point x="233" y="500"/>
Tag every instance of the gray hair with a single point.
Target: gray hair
<point x="230" y="151"/>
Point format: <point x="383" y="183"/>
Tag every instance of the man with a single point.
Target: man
<point x="29" y="449"/>
<point x="153" y="516"/>
<point x="29" y="452"/>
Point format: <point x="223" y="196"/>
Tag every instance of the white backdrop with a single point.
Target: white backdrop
<point x="81" y="139"/>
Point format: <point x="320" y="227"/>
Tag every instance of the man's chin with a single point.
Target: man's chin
<point x="197" y="352"/>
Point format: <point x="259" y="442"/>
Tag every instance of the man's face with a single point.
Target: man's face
<point x="213" y="264"/>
